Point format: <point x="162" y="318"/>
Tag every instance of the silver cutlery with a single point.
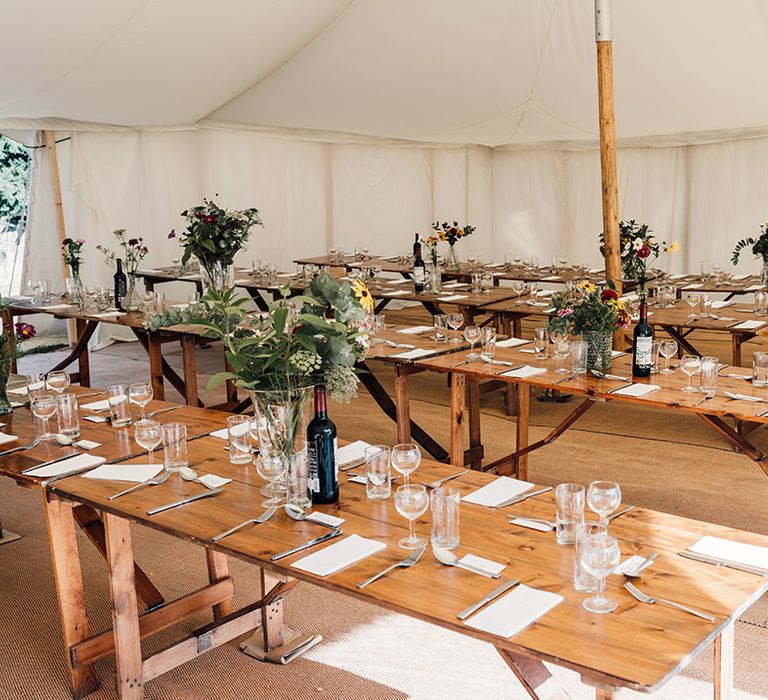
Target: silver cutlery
<point x="643" y="598"/>
<point x="392" y="479"/>
<point x="715" y="561"/>
<point x="50" y="462"/>
<point x="192" y="476"/>
<point x="393" y="344"/>
<point x="296" y="513"/>
<point x="605" y="375"/>
<point x="448" y="558"/>
<point x="642" y="566"/>
<point x="439" y="482"/>
<point x="23" y="448"/>
<point x="152" y="414"/>
<point x="351" y="465"/>
<point x="709" y="395"/>
<point x="266" y="515"/>
<point x="508" y="369"/>
<point x="566" y="378"/>
<point x="523" y="497"/>
<point x="620" y="512"/>
<point x="619" y="388"/>
<point x="306" y="545"/>
<point x="493" y="361"/>
<point x="183" y="501"/>
<point x="409" y="561"/>
<point x="150" y="482"/>
<point x="495" y="593"/>
<point x="548" y="523"/>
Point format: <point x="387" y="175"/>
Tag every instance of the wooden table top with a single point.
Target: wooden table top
<point x="638" y="646"/>
<point x="387" y="264"/>
<point x="422" y="341"/>
<point x="116" y="444"/>
<point x="708" y="284"/>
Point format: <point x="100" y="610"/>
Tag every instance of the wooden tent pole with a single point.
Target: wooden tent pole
<point x="53" y="161"/>
<point x="612" y="244"/>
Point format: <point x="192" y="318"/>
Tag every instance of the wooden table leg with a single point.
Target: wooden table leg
<point x="125" y="614"/>
<point x="458" y="383"/>
<point x="218" y="569"/>
<point x="155" y="352"/>
<point x="69" y="589"/>
<point x="474" y="422"/>
<point x="603" y="694"/>
<point x="736" y="349"/>
<point x="272" y="624"/>
<point x="523" y="410"/>
<point x="402" y="404"/>
<point x="723" y="676"/>
<point x="534" y="676"/>
<point x="190" y="368"/>
<point x="83" y="361"/>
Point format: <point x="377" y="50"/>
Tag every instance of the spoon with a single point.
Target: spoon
<point x="297" y="513"/>
<point x="63" y="439"/>
<point x="604" y="375"/>
<point x="191" y="475"/>
<point x="447" y="557"/>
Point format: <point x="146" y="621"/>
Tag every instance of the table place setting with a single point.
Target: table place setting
<point x="65" y="466"/>
<point x="746" y="325"/>
<point x="414" y="354"/>
<point x="184" y="501"/>
<point x="469" y="562"/>
<point x="352" y="455"/>
<point x="498" y="493"/>
<point x="636" y="390"/>
<point x="524" y="371"/>
<point x="511" y="343"/>
<point x="5" y="438"/>
<point x="730" y="554"/>
<point x="133" y="473"/>
<point x="416" y="330"/>
<point x="339" y="555"/>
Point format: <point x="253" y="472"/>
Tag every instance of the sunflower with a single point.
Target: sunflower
<point x="363" y="295"/>
<point x="587" y="287"/>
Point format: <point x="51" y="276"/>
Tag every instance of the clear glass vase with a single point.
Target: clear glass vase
<point x="764" y="274"/>
<point x="599" y="349"/>
<point x="217" y="275"/>
<point x="435" y="279"/>
<point x="75" y="291"/>
<point x="452" y="263"/>
<point x="131" y="301"/>
<point x="5" y="373"/>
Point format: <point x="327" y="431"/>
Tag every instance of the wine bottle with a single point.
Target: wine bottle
<point x="121" y="285"/>
<point x="321" y="453"/>
<point x="643" y="336"/>
<point x="419" y="269"/>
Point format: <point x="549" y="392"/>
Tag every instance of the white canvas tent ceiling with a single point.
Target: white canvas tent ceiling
<point x="490" y="72"/>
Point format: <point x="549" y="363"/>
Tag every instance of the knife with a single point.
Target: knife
<point x="351" y="464"/>
<point x="183" y="501"/>
<point x="724" y="562"/>
<point x="522" y="497"/>
<point x="495" y="593"/>
<point x="49" y="462"/>
<point x="306" y="545"/>
<point x="508" y="369"/>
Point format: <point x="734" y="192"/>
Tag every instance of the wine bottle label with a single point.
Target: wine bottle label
<point x="335" y="461"/>
<point x="418" y="274"/>
<point x="313" y="477"/>
<point x="643" y="351"/>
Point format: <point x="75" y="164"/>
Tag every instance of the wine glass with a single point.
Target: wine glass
<point x="36" y="385"/>
<point x="148" y="434"/>
<point x="690" y="364"/>
<point x="562" y="350"/>
<point x="411" y="501"/>
<point x="141" y="394"/>
<point x="58" y="381"/>
<point x="406" y="458"/>
<point x="44" y="407"/>
<point x="667" y="348"/>
<point x="472" y="335"/>
<point x="693" y="301"/>
<point x="603" y="497"/>
<point x="271" y="468"/>
<point x="455" y="321"/>
<point x="600" y="555"/>
<point x="518" y="287"/>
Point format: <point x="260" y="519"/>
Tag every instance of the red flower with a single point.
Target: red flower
<point x="607" y="294"/>
<point x="25" y="331"/>
<point x="66" y="241"/>
<point x="208" y="218"/>
<point x="644" y="252"/>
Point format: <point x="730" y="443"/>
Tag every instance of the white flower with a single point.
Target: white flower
<point x="639" y="243"/>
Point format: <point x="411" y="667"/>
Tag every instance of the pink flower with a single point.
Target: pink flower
<point x="81" y="241"/>
<point x="644" y="252"/>
<point x="25" y="331"/>
<point x="562" y="313"/>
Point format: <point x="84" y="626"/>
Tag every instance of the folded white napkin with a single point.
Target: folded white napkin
<point x="748" y="325"/>
<point x="96" y="419"/>
<point x="213" y="481"/>
<point x="511" y="342"/>
<point x="87" y="444"/>
<point x="339" y="555"/>
<point x="402" y="280"/>
<point x="617" y="353"/>
<point x="55" y="307"/>
<point x="414" y="354"/>
<point x="125" y="472"/>
<point x="395" y="293"/>
<point x="454" y="285"/>
<point x="415" y="330"/>
<point x="488" y="565"/>
<point x="678" y="276"/>
<point x="697" y="285"/>
<point x="528" y="351"/>
<point x="532" y="524"/>
<point x="351" y="453"/>
<point x="453" y="297"/>
<point x="636" y="390"/>
<point x="514" y="612"/>
<point x="68" y="466"/>
<point x="6" y="438"/>
<point x="524" y="371"/>
<point x="498" y="491"/>
<point x="102" y="405"/>
<point x="108" y="314"/>
<point x="551" y="278"/>
<point x="749" y="554"/>
<point x="721" y="304"/>
<point x="629" y="564"/>
<point x="223" y="433"/>
<point x="754" y="287"/>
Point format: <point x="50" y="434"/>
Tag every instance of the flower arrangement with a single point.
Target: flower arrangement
<point x="431" y="242"/>
<point x="451" y="233"/>
<point x="759" y="246"/>
<point x="8" y="344"/>
<point x="134" y="251"/>
<point x="71" y="251"/>
<point x="589" y="307"/>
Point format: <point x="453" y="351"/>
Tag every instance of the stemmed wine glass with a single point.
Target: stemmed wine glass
<point x="472" y="335"/>
<point x="141" y="394"/>
<point x="406" y="458"/>
<point x="44" y="407"/>
<point x="36" y="385"/>
<point x="412" y="501"/>
<point x="693" y="301"/>
<point x="667" y="348"/>
<point x="148" y="434"/>
<point x="518" y="287"/>
<point x="690" y="364"/>
<point x="603" y="497"/>
<point x="455" y="321"/>
<point x="271" y="468"/>
<point x="58" y="381"/>
<point x="562" y="350"/>
<point x="600" y="555"/>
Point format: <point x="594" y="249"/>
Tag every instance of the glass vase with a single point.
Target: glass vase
<point x="5" y="373"/>
<point x="599" y="349"/>
<point x="131" y="301"/>
<point x="75" y="292"/>
<point x="435" y="279"/>
<point x="453" y="259"/>
<point x="217" y="275"/>
<point x="764" y="274"/>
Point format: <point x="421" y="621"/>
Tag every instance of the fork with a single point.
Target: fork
<point x="603" y="375"/>
<point x="414" y="556"/>
<point x="23" y="448"/>
<point x="439" y="482"/>
<point x="709" y="395"/>
<point x="643" y="598"/>
<point x="152" y="414"/>
<point x="266" y="515"/>
<point x="152" y="482"/>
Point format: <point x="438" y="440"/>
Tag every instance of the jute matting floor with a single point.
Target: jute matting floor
<point x="678" y="466"/>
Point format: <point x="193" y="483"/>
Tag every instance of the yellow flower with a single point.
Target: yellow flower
<point x="441" y="235"/>
<point x="587" y="287"/>
<point x="363" y="295"/>
<point x="431" y="240"/>
<point x="672" y="247"/>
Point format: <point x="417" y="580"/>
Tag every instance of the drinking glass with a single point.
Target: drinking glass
<point x="670" y="296"/>
<point x="406" y="458"/>
<point x="761" y="303"/>
<point x="486" y="282"/>
<point x="600" y="555"/>
<point x="535" y="263"/>
<point x="668" y="349"/>
<point x="476" y="287"/>
<point x="141" y="394"/>
<point x="570" y="511"/>
<point x="444" y="504"/>
<point x="472" y="335"/>
<point x="103" y="298"/>
<point x="760" y="369"/>
<point x="148" y="434"/>
<point x="706" y="306"/>
<point x="440" y="322"/>
<point x="175" y="446"/>
<point x="540" y="343"/>
<point x="690" y="364"/>
<point x="579" y="352"/>
<point x="412" y="501"/>
<point x="377" y="473"/>
<point x="603" y="497"/>
<point x="693" y="301"/>
<point x="42" y="292"/>
<point x="271" y="468"/>
<point x="58" y="381"/>
<point x="518" y="287"/>
<point x="583" y="581"/>
<point x="562" y="350"/>
<point x="36" y="385"/>
<point x="68" y="418"/>
<point x="655" y="345"/>
<point x="44" y="407"/>
<point x="119" y="405"/>
<point x="239" y="439"/>
<point x="488" y="342"/>
<point x="709" y="373"/>
<point x="455" y="321"/>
